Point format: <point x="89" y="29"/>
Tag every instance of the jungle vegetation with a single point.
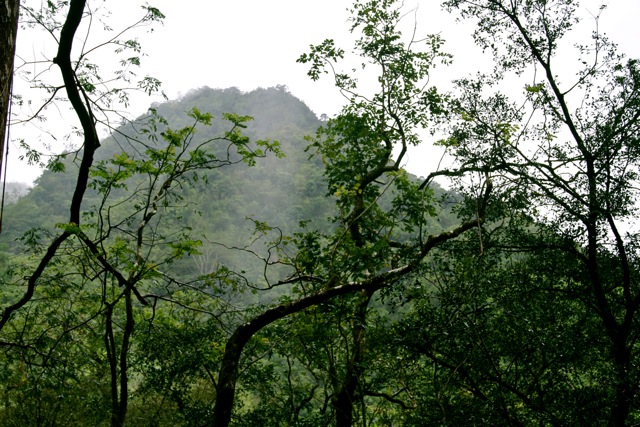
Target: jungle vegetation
<point x="229" y="258"/>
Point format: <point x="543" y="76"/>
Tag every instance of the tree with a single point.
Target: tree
<point x="102" y="259"/>
<point x="504" y="340"/>
<point x="78" y="87"/>
<point x="8" y="31"/>
<point x="375" y="245"/>
<point x="564" y="155"/>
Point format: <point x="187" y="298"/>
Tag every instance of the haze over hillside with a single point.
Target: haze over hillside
<point x="283" y="190"/>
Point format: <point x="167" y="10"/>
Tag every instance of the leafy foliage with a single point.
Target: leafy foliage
<point x="209" y="279"/>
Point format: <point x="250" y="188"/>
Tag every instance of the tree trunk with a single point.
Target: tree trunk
<point x="349" y="393"/>
<point x="119" y="377"/>
<point x="625" y="386"/>
<point x="8" y="32"/>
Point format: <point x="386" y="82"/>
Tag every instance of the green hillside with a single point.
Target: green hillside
<point x="280" y="191"/>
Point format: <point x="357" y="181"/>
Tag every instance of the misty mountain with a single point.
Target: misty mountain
<point x="281" y="192"/>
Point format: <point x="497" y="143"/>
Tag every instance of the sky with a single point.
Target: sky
<point x="255" y="43"/>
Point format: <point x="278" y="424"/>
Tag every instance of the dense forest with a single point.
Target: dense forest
<point x="229" y="258"/>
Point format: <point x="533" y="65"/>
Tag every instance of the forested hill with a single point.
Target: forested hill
<point x="281" y="191"/>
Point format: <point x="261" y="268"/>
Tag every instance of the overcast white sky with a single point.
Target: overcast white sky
<point x="255" y="43"/>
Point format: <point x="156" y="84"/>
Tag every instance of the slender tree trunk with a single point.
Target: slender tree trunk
<point x="90" y="145"/>
<point x="110" y="346"/>
<point x="8" y="31"/>
<point x="349" y="393"/>
<point x="124" y="359"/>
<point x="618" y="333"/>
<point x="82" y="109"/>
<point x="119" y="364"/>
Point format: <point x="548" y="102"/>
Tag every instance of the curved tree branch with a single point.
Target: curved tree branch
<point x="228" y="374"/>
